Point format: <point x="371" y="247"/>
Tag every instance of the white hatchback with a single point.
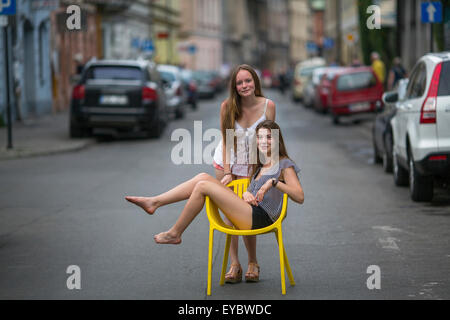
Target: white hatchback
<point x="421" y="128"/>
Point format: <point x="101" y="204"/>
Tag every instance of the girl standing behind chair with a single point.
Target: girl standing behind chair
<point x="244" y="109"/>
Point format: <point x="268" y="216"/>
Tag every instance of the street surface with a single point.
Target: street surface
<point x="69" y="209"/>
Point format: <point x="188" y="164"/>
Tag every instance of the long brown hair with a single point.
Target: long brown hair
<point x="233" y="103"/>
<point x="282" y="151"/>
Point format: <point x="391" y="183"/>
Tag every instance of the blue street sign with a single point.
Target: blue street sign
<point x="7" y="7"/>
<point x="328" y="43"/>
<point x="192" y="49"/>
<point x="147" y="45"/>
<point x="311" y="47"/>
<point x="431" y="12"/>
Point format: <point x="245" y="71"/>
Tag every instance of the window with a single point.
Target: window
<point x="355" y="81"/>
<point x="444" y="81"/>
<point x="416" y="87"/>
<point x="114" y="73"/>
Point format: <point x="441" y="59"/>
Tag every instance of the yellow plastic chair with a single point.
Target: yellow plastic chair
<point x="216" y="223"/>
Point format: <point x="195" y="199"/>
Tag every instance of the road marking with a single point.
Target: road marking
<point x="386" y="240"/>
<point x="389" y="243"/>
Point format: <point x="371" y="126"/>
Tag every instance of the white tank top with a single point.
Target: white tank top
<point x="245" y="138"/>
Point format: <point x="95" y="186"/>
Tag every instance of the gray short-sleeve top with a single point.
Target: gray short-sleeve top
<point x="273" y="199"/>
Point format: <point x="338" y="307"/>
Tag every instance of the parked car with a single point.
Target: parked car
<point x="354" y="91"/>
<point x="122" y="95"/>
<point x="309" y="92"/>
<point x="323" y="91"/>
<point x="206" y="84"/>
<point x="302" y="73"/>
<point x="421" y="128"/>
<point x="382" y="129"/>
<point x="190" y="86"/>
<point x="176" y="96"/>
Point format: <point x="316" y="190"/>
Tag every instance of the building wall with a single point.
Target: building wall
<point x="299" y="20"/>
<point x="414" y="35"/>
<point x="127" y="34"/>
<point x="201" y="30"/>
<point x="65" y="46"/>
<point x="166" y="20"/>
<point x="30" y="63"/>
<point x="350" y="25"/>
<point x="331" y="25"/>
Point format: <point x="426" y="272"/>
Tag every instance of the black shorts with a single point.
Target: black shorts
<point x="260" y="218"/>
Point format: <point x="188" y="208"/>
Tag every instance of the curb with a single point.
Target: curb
<point x="18" y="152"/>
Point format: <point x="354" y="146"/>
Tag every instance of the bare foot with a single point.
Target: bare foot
<point x="147" y="203"/>
<point x="166" y="238"/>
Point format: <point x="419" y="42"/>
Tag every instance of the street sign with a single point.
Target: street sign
<point x="431" y="12"/>
<point x="328" y="43"/>
<point x="192" y="49"/>
<point x="311" y="47"/>
<point x="7" y="7"/>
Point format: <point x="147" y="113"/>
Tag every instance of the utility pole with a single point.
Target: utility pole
<point x="339" y="32"/>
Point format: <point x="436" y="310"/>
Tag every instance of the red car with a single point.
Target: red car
<point x="354" y="91"/>
<point x="323" y="90"/>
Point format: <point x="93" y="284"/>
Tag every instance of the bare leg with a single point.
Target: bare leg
<point x="234" y="246"/>
<point x="236" y="209"/>
<point x="181" y="192"/>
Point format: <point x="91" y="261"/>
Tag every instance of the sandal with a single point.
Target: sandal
<point x="252" y="276"/>
<point x="234" y="275"/>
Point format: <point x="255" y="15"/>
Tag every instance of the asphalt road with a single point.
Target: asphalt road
<point x="69" y="209"/>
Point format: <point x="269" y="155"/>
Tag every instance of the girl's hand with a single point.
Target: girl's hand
<point x="262" y="191"/>
<point x="249" y="198"/>
<point x="226" y="179"/>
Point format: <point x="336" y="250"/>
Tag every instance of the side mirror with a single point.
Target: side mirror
<point x="165" y="84"/>
<point x="390" y="97"/>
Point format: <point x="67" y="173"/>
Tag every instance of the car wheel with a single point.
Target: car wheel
<point x="400" y="174"/>
<point x="335" y="118"/>
<point x="179" y="113"/>
<point x="387" y="155"/>
<point x="76" y="131"/>
<point x="376" y="153"/>
<point x="421" y="187"/>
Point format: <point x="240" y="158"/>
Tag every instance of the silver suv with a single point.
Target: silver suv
<point x="421" y="128"/>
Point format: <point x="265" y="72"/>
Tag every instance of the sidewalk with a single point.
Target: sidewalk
<point x="47" y="134"/>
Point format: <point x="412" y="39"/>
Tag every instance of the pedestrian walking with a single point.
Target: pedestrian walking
<point x="396" y="73"/>
<point x="378" y="67"/>
<point x="272" y="175"/>
<point x="242" y="111"/>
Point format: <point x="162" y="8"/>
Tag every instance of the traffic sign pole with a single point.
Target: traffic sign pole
<point x="8" y="104"/>
<point x="7" y="9"/>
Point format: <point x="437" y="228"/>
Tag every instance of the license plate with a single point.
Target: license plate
<point x="360" y="106"/>
<point x="113" y="99"/>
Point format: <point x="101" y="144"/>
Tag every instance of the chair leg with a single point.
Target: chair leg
<point x="288" y="269"/>
<point x="225" y="259"/>
<point x="210" y="258"/>
<point x="279" y="236"/>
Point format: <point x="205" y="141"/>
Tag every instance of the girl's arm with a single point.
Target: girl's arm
<point x="291" y="186"/>
<point x="271" y="110"/>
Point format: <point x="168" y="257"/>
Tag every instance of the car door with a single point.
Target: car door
<point x="409" y="108"/>
<point x="443" y="109"/>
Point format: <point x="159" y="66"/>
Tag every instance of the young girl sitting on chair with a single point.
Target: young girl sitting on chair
<point x="272" y="175"/>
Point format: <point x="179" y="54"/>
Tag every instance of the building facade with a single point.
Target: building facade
<point x="299" y="30"/>
<point x="30" y="76"/>
<point x="200" y="37"/>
